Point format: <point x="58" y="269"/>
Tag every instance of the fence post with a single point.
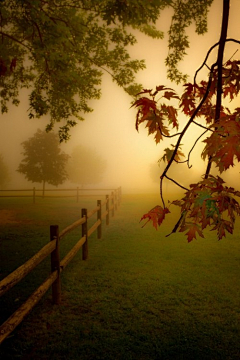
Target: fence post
<point x="99" y="217"/>
<point x="116" y="200"/>
<point x="119" y="196"/>
<point x="77" y="194"/>
<point x="34" y="194"/>
<point x="113" y="206"/>
<point x="107" y="210"/>
<point x="85" y="233"/>
<point x="55" y="265"/>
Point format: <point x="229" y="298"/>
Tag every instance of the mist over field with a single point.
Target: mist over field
<point x="110" y="128"/>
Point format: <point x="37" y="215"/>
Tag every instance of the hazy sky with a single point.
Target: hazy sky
<point x="110" y="129"/>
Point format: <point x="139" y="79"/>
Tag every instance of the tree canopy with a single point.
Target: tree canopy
<point x="209" y="203"/>
<point x="85" y="166"/>
<point x="43" y="161"/>
<point x="59" y="50"/>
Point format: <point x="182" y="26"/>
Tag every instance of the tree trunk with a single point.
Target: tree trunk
<point x="222" y="41"/>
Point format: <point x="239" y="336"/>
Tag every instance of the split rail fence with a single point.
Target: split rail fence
<point x="40" y="193"/>
<point x="111" y="204"/>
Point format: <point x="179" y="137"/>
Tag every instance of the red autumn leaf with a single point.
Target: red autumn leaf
<point x="170" y="95"/>
<point x="156" y="215"/>
<point x="172" y="113"/>
<point x="193" y="231"/>
<point x="145" y="91"/>
<point x="188" y="105"/>
<point x="146" y="105"/>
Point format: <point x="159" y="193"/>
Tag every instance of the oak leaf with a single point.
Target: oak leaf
<point x="156" y="215"/>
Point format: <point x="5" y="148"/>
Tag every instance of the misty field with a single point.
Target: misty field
<point x="139" y="296"/>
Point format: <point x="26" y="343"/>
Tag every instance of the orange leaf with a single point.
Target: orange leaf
<point x="156" y="215"/>
<point x="192" y="232"/>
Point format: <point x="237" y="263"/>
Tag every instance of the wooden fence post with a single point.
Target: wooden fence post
<point x="85" y="233"/>
<point x="34" y="194"/>
<point x="116" y="199"/>
<point x="99" y="217"/>
<point x="107" y="210"/>
<point x="119" y="196"/>
<point x="55" y="265"/>
<point x="113" y="206"/>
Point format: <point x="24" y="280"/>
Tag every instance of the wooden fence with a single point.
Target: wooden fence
<point x="111" y="204"/>
<point x="37" y="193"/>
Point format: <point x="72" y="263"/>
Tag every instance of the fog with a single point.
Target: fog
<point x="110" y="129"/>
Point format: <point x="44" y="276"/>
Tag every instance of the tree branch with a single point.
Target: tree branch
<point x="190" y="120"/>
<point x="175" y="182"/>
<point x="14" y="39"/>
<point x="188" y="160"/>
<point x="208" y="53"/>
<point x="222" y="42"/>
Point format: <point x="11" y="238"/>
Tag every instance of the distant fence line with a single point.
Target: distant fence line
<point x="77" y="192"/>
<point x="57" y="266"/>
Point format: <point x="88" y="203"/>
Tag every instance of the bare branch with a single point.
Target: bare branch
<point x="208" y="53"/>
<point x="175" y="182"/>
<point x="190" y="120"/>
<point x="188" y="160"/>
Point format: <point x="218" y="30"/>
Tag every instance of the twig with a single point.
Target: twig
<point x="188" y="160"/>
<point x="208" y="53"/>
<point x="175" y="182"/>
<point x="190" y="120"/>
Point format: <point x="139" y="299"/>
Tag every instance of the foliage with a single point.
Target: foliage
<point x="185" y="12"/>
<point x="43" y="159"/>
<point x="85" y="166"/>
<point x="208" y="203"/>
<point x="60" y="49"/>
<point x="4" y="173"/>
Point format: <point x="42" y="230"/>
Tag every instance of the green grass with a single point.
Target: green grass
<point x="140" y="295"/>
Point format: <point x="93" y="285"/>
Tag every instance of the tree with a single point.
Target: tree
<point x="43" y="161"/>
<point x="85" y="166"/>
<point x="4" y="173"/>
<point x="59" y="50"/>
<point x="208" y="203"/>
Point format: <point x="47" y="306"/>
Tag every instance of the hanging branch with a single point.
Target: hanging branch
<point x="195" y="143"/>
<point x="219" y="71"/>
<point x="208" y="53"/>
<point x="188" y="124"/>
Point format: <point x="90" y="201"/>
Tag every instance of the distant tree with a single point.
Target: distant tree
<point x="60" y="50"/>
<point x="43" y="161"/>
<point x="85" y="166"/>
<point x="154" y="172"/>
<point x="4" y="173"/>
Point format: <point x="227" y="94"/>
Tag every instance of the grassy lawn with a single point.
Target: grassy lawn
<point x="139" y="296"/>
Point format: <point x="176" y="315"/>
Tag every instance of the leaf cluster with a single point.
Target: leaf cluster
<point x="207" y="203"/>
<point x="157" y="116"/>
<point x="60" y="49"/>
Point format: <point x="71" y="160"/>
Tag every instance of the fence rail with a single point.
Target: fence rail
<point x="111" y="204"/>
<point x="38" y="193"/>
